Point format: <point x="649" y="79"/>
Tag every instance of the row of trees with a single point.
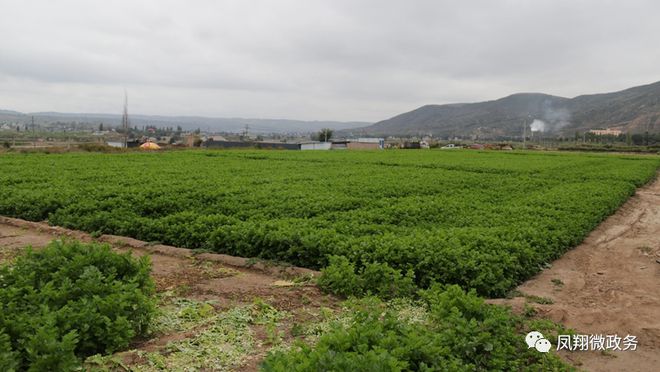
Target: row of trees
<point x="636" y="139"/>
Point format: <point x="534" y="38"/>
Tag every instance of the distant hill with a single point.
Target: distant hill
<point x="636" y="110"/>
<point x="186" y="122"/>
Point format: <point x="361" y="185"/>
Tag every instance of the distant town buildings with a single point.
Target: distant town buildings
<point x="316" y="146"/>
<point x="606" y="132"/>
<point x="347" y="144"/>
<point x="363" y="143"/>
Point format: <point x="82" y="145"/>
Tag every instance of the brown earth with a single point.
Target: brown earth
<point x="228" y="281"/>
<point x="608" y="285"/>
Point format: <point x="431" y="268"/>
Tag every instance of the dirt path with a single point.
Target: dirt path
<point x="610" y="284"/>
<point x="227" y="281"/>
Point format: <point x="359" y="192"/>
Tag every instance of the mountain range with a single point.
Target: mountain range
<point x="233" y="125"/>
<point x="634" y="110"/>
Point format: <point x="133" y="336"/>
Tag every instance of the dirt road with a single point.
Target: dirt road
<point x="608" y="285"/>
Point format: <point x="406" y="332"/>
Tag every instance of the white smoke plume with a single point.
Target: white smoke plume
<point x="538" y="126"/>
<point x="557" y="118"/>
<point x="554" y="118"/>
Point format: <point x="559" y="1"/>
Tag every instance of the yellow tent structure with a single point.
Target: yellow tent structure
<point x="149" y="146"/>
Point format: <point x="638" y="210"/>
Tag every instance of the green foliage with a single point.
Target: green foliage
<point x="50" y="349"/>
<point x="459" y="333"/>
<point x="105" y="363"/>
<point x="539" y="300"/>
<point x="72" y="300"/>
<point x="340" y="277"/>
<point x="529" y="311"/>
<point x="324" y="135"/>
<point x="385" y="282"/>
<point x="8" y="358"/>
<point x="482" y="220"/>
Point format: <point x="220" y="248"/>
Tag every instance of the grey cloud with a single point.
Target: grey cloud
<point x="334" y="60"/>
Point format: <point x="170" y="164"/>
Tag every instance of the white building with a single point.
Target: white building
<point x="316" y="146"/>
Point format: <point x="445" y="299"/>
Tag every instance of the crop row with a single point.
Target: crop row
<point x="482" y="220"/>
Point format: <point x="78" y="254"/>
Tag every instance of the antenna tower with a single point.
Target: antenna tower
<point x="124" y="120"/>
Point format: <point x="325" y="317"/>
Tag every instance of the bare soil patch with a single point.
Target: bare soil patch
<point x="610" y="284"/>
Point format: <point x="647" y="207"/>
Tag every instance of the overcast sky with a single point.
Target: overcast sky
<point x="308" y="59"/>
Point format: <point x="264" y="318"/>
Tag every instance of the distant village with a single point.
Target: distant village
<point x="60" y="133"/>
<point x="74" y="133"/>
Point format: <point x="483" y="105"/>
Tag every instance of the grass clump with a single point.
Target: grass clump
<point x="557" y="282"/>
<point x="539" y="300"/>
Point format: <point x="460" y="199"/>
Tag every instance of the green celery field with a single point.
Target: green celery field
<point x="482" y="220"/>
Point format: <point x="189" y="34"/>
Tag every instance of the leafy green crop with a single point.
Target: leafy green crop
<point x="377" y="223"/>
<point x="341" y="278"/>
<point x="68" y="301"/>
<point x="482" y="220"/>
<point x="458" y="332"/>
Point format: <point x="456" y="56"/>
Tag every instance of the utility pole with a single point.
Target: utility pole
<point x="246" y="131"/>
<point x="124" y="120"/>
<point x="524" y="133"/>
